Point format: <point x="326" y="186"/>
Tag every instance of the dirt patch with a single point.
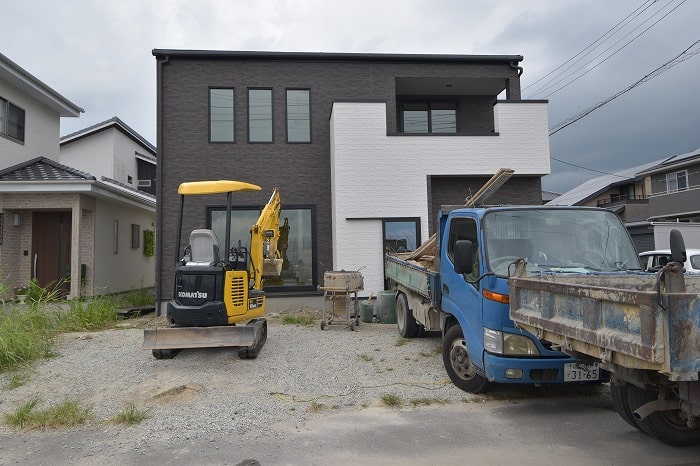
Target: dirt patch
<point x="179" y="394"/>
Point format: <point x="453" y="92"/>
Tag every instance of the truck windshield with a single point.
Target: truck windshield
<point x="558" y="240"/>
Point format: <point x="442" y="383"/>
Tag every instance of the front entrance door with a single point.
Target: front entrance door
<point x="51" y="245"/>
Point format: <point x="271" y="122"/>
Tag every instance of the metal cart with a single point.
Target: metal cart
<point x="340" y="305"/>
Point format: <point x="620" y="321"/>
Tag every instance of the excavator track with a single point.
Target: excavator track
<point x="251" y="352"/>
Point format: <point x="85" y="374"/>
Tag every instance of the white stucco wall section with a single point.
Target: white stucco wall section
<point x="376" y="176"/>
<point x="41" y="126"/>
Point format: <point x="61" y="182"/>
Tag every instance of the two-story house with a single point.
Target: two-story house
<point x="365" y="148"/>
<point x="674" y="188"/>
<point x="626" y="193"/>
<point x="60" y="224"/>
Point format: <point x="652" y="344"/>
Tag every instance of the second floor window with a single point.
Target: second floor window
<point x="221" y="115"/>
<point x="429" y="117"/>
<point x="11" y="120"/>
<point x="260" y="115"/>
<point x="298" y="116"/>
<point x="677" y="181"/>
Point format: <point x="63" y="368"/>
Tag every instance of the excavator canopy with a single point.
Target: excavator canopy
<point x="215" y="187"/>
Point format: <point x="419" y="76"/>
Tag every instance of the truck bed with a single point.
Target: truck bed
<point x="417" y="276"/>
<point x="618" y="319"/>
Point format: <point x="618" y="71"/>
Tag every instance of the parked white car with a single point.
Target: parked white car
<point x="652" y="261"/>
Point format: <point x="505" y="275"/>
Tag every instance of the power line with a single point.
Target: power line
<point x="591" y="45"/>
<point x="612" y="54"/>
<point x="681" y="57"/>
<point x="589" y="169"/>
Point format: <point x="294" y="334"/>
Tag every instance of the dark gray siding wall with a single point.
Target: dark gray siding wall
<point x="300" y="171"/>
<point x="453" y="190"/>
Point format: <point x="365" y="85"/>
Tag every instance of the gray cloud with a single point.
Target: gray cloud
<point x="98" y="55"/>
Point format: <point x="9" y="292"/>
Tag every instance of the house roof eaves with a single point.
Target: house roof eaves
<point x="88" y="187"/>
<point x="114" y="122"/>
<point x="675" y="162"/>
<point x="16" y="75"/>
<point x="333" y="56"/>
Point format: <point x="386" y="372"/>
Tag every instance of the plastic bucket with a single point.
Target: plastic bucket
<point x="366" y="312"/>
<point x="386" y="307"/>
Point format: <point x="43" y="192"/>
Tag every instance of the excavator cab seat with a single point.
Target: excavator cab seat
<point x="204" y="248"/>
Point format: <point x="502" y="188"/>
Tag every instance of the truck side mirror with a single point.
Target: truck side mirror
<point x="463" y="256"/>
<point x="677" y="247"/>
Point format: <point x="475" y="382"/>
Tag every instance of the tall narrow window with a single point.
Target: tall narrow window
<point x="298" y="116"/>
<point x="260" y="115"/>
<point x="11" y="120"/>
<point x="221" y="115"/>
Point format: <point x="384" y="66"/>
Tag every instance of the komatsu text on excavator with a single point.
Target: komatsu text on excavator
<point x="215" y="290"/>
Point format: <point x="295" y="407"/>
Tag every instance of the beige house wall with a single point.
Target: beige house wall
<point x="15" y="252"/>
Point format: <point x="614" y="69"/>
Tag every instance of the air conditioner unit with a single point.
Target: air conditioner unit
<point x="144" y="183"/>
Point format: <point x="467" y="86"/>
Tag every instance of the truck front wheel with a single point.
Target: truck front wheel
<point x="669" y="426"/>
<point x="408" y="328"/>
<point x="461" y="370"/>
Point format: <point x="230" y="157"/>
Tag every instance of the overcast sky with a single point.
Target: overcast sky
<point x="97" y="54"/>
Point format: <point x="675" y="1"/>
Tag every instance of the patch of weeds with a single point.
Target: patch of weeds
<point x="316" y="407"/>
<point x="92" y="314"/>
<point x="16" y="380"/>
<point x="139" y="298"/>
<point x="130" y="416"/>
<point x="401" y="341"/>
<point x="390" y="368"/>
<point x="429" y="401"/>
<point x="391" y="400"/>
<point x="432" y="352"/>
<point x="298" y="320"/>
<point x="65" y="414"/>
<point x="20" y="416"/>
<point x="25" y="335"/>
<point x="366" y="357"/>
<point x="377" y="349"/>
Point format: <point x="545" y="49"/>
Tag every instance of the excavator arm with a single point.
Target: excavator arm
<point x="265" y="259"/>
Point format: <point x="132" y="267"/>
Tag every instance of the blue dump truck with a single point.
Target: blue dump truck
<point x="537" y="294"/>
<point x="645" y="330"/>
<point x="462" y="288"/>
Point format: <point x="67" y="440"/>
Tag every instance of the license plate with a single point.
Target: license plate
<point x="576" y="372"/>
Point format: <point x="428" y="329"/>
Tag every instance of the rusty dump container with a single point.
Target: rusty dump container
<point x="342" y="280"/>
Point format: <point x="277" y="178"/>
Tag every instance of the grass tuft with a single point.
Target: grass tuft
<point x="429" y="401"/>
<point x="391" y="400"/>
<point x="365" y="357"/>
<point x="298" y="320"/>
<point x="130" y="416"/>
<point x="401" y="341"/>
<point x="66" y="414"/>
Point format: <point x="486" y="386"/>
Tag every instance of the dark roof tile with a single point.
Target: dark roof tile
<point x="42" y="169"/>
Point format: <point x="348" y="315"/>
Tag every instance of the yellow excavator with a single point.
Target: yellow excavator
<point x="216" y="290"/>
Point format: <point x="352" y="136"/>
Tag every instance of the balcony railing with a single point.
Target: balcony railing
<point x="621" y="199"/>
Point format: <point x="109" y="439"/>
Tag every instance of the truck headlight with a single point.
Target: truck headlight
<point x="493" y="341"/>
<point x="519" y="345"/>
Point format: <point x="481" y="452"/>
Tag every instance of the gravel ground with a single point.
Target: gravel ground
<point x="300" y="374"/>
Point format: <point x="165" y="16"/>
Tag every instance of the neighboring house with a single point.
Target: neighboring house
<point x="626" y="193"/>
<point x="667" y="190"/>
<point x="113" y="150"/>
<point x="58" y="223"/>
<point x="675" y="188"/>
<point x="365" y="148"/>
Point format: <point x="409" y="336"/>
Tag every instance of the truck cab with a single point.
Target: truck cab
<point x="479" y="249"/>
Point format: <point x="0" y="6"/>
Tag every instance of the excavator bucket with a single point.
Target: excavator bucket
<point x="170" y="338"/>
<point x="272" y="267"/>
